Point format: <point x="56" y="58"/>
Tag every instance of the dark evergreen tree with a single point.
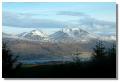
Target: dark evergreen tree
<point x="99" y="51"/>
<point x="112" y="51"/>
<point x="9" y="62"/>
<point x="112" y="54"/>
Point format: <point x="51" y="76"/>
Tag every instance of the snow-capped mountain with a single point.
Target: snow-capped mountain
<point x="72" y="34"/>
<point x="63" y="35"/>
<point x="33" y="35"/>
<point x="60" y="36"/>
<point x="22" y="34"/>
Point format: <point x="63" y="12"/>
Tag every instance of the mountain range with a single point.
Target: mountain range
<point x="63" y="35"/>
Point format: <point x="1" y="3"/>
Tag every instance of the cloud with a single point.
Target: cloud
<point x="84" y="21"/>
<point x="97" y="26"/>
<point x="91" y="24"/>
<point x="21" y="20"/>
<point x="71" y="13"/>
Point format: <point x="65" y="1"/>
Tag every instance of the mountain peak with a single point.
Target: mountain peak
<point x="68" y="29"/>
<point x="38" y="32"/>
<point x="66" y="34"/>
<point x="33" y="35"/>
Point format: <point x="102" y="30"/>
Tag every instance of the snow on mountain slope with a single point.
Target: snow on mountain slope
<point x="33" y="35"/>
<point x="72" y="34"/>
<point x="60" y="36"/>
<point x="22" y="34"/>
<point x="77" y="32"/>
<point x="38" y="32"/>
<point x="66" y="34"/>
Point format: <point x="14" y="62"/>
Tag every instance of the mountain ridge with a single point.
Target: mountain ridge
<point x="62" y="35"/>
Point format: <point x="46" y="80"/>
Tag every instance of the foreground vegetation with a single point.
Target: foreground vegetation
<point x="103" y="65"/>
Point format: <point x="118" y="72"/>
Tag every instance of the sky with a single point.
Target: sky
<point x="99" y="18"/>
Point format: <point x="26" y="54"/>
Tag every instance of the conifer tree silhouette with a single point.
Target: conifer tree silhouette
<point x="9" y="62"/>
<point x="112" y="54"/>
<point x="99" y="51"/>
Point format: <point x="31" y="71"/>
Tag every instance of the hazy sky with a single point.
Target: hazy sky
<point x="93" y="17"/>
